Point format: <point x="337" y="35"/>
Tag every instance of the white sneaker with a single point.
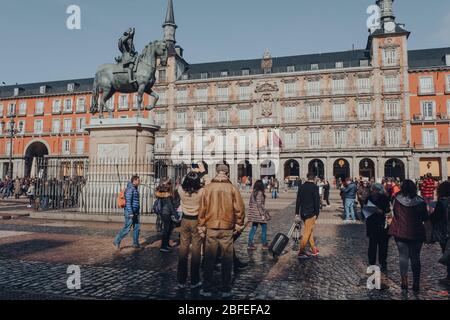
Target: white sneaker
<point x="206" y="294"/>
<point x="181" y="286"/>
<point x="195" y="286"/>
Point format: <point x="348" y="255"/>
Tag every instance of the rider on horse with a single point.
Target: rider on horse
<point x="129" y="54"/>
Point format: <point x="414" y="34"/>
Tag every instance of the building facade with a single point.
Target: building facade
<point x="339" y="114"/>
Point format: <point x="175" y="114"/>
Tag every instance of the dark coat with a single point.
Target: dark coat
<point x="375" y="224"/>
<point x="439" y="219"/>
<point x="409" y="216"/>
<point x="308" y="201"/>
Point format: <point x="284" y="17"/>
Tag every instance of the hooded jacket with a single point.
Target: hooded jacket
<point x="222" y="207"/>
<point x="409" y="216"/>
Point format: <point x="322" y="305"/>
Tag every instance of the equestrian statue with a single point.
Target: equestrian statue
<point x="132" y="73"/>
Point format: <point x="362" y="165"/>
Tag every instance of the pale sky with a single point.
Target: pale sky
<point x="37" y="46"/>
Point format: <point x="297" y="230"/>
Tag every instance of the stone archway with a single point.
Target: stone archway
<point x="268" y="169"/>
<point x="34" y="150"/>
<point x="394" y="168"/>
<point x="367" y="168"/>
<point x="317" y="168"/>
<point x="341" y="169"/>
<point x="291" y="169"/>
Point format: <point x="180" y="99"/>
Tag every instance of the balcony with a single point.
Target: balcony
<point x="329" y="92"/>
<point x="438" y="118"/>
<point x="431" y="147"/>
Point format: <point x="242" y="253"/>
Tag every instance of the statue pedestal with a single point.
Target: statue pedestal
<point x="118" y="149"/>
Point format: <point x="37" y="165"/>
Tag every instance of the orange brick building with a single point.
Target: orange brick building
<point x="430" y="112"/>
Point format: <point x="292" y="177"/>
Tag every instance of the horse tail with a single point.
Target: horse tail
<point x="95" y="96"/>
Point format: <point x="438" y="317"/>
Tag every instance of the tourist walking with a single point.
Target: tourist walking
<point x="169" y="205"/>
<point x="427" y="188"/>
<point x="221" y="215"/>
<point x="307" y="209"/>
<point x="190" y="193"/>
<point x="363" y="195"/>
<point x="31" y="192"/>
<point x="376" y="210"/>
<point x="349" y="195"/>
<point x="440" y="221"/>
<point x="258" y="215"/>
<point x="326" y="192"/>
<point x="274" y="186"/>
<point x="410" y="212"/>
<point x="132" y="213"/>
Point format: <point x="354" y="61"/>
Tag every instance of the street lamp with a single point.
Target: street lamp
<point x="11" y="132"/>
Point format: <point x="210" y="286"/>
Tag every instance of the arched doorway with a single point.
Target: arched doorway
<point x="341" y="169"/>
<point x="317" y="168"/>
<point x="291" y="169"/>
<point x="268" y="169"/>
<point x="394" y="168"/>
<point x="34" y="150"/>
<point x="245" y="170"/>
<point x="367" y="169"/>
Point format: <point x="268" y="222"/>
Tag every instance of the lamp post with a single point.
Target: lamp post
<point x="12" y="132"/>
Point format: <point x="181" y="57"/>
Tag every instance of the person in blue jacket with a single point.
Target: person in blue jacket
<point x="131" y="211"/>
<point x="349" y="196"/>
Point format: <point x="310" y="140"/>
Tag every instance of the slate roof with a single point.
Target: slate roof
<point x="417" y="59"/>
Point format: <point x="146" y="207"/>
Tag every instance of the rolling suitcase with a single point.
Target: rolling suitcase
<point x="280" y="242"/>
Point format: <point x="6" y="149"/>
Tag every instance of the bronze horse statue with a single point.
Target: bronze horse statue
<point x="112" y="78"/>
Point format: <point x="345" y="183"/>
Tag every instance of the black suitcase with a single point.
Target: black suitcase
<point x="280" y="242"/>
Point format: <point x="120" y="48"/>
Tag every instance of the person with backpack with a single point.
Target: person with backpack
<point x="190" y="192"/>
<point x="407" y="227"/>
<point x="307" y="208"/>
<point x="441" y="228"/>
<point x="169" y="205"/>
<point x="132" y="211"/>
<point x="258" y="215"/>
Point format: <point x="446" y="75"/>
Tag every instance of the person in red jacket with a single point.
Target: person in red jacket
<point x="427" y="188"/>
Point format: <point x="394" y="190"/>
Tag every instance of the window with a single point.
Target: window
<point x="426" y="85"/>
<point x="364" y="85"/>
<point x="339" y="65"/>
<point x="123" y="102"/>
<point x="162" y="97"/>
<point x="134" y="101"/>
<point x="21" y="126"/>
<point x="8" y="148"/>
<point x="390" y="57"/>
<point x="66" y="146"/>
<point x="1" y="109"/>
<point x="110" y="103"/>
<point x="16" y="92"/>
<point x="429" y="137"/>
<point x="181" y="96"/>
<point x="314" y="139"/>
<point x="391" y="83"/>
<point x="290" y="114"/>
<point x="290" y="139"/>
<point x="365" y="137"/>
<point x="314" y="66"/>
<point x="79" y="147"/>
<point x="392" y="110"/>
<point x="339" y="112"/>
<point x="392" y="137"/>
<point x="222" y="93"/>
<point x="12" y="108"/>
<point x="68" y="105"/>
<point x="290" y="89"/>
<point x="42" y="89"/>
<point x="448" y="108"/>
<point x="56" y="126"/>
<point x="81" y="124"/>
<point x="313" y="87"/>
<point x="267" y="70"/>
<point x="67" y="125"/>
<point x="81" y="104"/>
<point x="338" y="86"/>
<point x="39" y="107"/>
<point x="340" y="138"/>
<point x="71" y="87"/>
<point x="224" y="73"/>
<point x="161" y="119"/>
<point x="222" y="117"/>
<point x="204" y="75"/>
<point x="428" y="110"/>
<point x="244" y="117"/>
<point x="290" y="68"/>
<point x="38" y="126"/>
<point x="162" y="75"/>
<point x="22" y="108"/>
<point x="181" y="119"/>
<point x="56" y="106"/>
<point x="245" y="93"/>
<point x="447" y="60"/>
<point x="314" y="113"/>
<point x="202" y="117"/>
<point x="364" y="112"/>
<point x="245" y="72"/>
<point x="364" y="63"/>
<point x="160" y="143"/>
<point x="448" y="84"/>
<point x="202" y="94"/>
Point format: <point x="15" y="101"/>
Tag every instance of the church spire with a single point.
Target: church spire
<point x="169" y="25"/>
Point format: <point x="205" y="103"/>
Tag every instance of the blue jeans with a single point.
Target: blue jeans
<point x="349" y="209"/>
<point x="252" y="233"/>
<point x="130" y="222"/>
<point x="274" y="193"/>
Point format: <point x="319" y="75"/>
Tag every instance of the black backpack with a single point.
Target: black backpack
<point x="157" y="207"/>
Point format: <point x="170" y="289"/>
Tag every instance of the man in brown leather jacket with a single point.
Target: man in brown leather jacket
<point x="221" y="214"/>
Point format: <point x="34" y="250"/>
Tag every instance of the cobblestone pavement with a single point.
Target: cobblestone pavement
<point x="35" y="255"/>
